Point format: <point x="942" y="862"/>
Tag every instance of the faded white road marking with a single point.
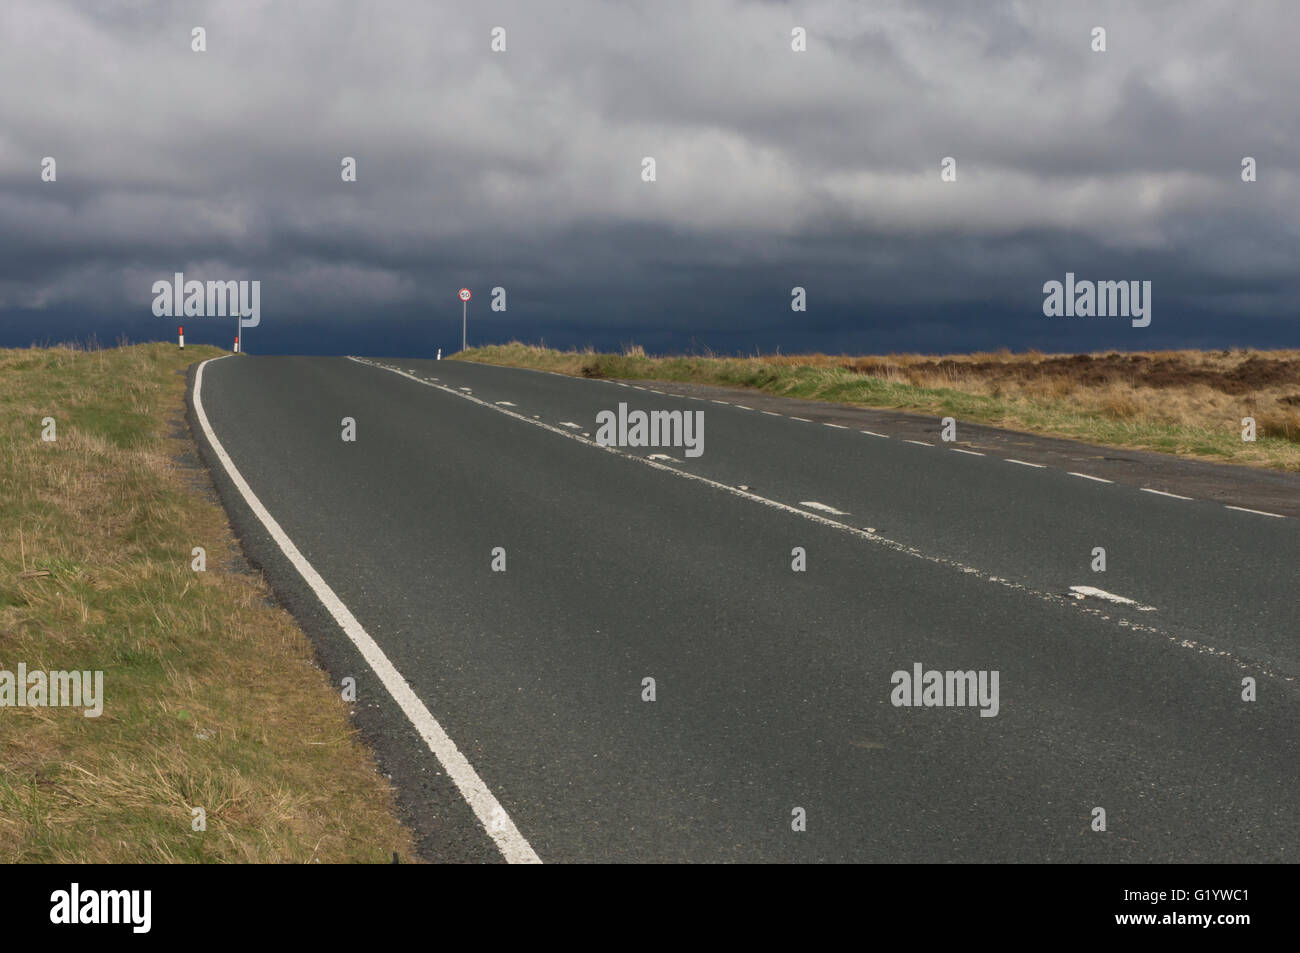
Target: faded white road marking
<point x="770" y="414"/>
<point x="836" y="426"/>
<point x="1147" y="489"/>
<point x="973" y="453"/>
<point x="662" y="456"/>
<point x="725" y="403"/>
<point x="570" y="424"/>
<point x="919" y="443"/>
<point x="1256" y="512"/>
<point x="1111" y="597"/>
<point x="742" y="407"/>
<point x="905" y="549"/>
<point x="512" y="844"/>
<point x="1037" y="466"/>
<point x="1087" y="477"/>
<point x="814" y="505"/>
<point x="504" y="403"/>
<point x="467" y="390"/>
<point x="802" y="419"/>
<point x="872" y="433"/>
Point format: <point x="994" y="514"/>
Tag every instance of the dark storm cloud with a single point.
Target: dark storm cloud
<point x="775" y="169"/>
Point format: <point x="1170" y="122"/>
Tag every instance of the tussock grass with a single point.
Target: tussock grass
<point x="212" y="698"/>
<point x="1189" y="403"/>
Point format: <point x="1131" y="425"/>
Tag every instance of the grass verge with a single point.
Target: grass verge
<point x="1189" y="403"/>
<point x="212" y="699"/>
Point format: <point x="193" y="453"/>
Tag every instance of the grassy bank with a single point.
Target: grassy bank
<point x="211" y="697"/>
<point x="1183" y="402"/>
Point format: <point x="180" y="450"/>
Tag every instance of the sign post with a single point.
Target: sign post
<point x="464" y="298"/>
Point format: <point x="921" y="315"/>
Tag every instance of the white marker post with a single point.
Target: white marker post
<point x="236" y="343"/>
<point x="464" y="298"/>
<point x="440" y="354"/>
<point x="180" y="332"/>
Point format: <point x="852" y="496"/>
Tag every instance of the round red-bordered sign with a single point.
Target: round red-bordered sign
<point x="464" y="294"/>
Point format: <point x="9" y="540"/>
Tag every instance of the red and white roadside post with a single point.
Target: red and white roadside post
<point x="236" y="343"/>
<point x="464" y="299"/>
<point x="180" y="333"/>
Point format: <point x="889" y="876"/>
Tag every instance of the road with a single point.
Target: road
<point x="773" y="687"/>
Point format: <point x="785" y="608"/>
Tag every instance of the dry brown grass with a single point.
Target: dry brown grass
<point x="212" y="698"/>
<point x="1186" y="402"/>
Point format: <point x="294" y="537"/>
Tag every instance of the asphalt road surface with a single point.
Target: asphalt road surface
<point x="773" y="688"/>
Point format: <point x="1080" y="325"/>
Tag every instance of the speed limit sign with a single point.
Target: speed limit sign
<point x="464" y="294"/>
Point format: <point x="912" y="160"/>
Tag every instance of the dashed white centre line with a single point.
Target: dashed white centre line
<point x="1087" y="477"/>
<point x="1024" y="464"/>
<point x="504" y="403"/>
<point x="1256" y="512"/>
<point x="1180" y="639"/>
<point x="973" y="453"/>
<point x="836" y="426"/>
<point x="725" y="403"/>
<point x="870" y="433"/>
<point x="802" y="419"/>
<point x="1110" y="597"/>
<point x="771" y="414"/>
<point x="742" y="407"/>
<point x="1147" y="489"/>
<point x="919" y="443"/>
<point x="814" y="505"/>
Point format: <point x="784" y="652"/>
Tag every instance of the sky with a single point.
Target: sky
<point x="774" y="169"/>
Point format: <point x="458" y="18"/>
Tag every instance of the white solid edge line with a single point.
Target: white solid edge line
<point x="1039" y="466"/>
<point x="1147" y="489"/>
<point x="1087" y="477"/>
<point x="1111" y="597"/>
<point x="973" y="453"/>
<point x="512" y="844"/>
<point x="1256" y="512"/>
